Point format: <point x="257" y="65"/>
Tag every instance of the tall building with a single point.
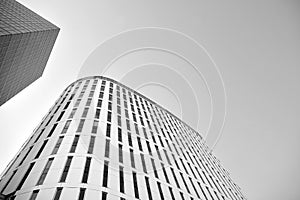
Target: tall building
<point x="26" y="41"/>
<point x="103" y="140"/>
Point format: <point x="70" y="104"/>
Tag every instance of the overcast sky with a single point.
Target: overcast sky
<point x="255" y="44"/>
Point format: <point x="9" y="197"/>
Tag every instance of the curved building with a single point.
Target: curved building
<point x="103" y="140"/>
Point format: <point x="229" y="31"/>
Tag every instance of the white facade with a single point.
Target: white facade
<point x="102" y="140"/>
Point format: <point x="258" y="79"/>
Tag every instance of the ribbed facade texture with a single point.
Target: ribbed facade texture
<point x="26" y="41"/>
<point x="103" y="140"/>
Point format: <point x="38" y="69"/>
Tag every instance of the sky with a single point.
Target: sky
<point x="255" y="45"/>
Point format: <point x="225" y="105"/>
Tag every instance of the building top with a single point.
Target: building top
<point x="137" y="93"/>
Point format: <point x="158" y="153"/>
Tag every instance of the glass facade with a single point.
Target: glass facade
<point x="26" y="41"/>
<point x="125" y="147"/>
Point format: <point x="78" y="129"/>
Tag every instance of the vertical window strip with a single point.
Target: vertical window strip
<point x="52" y="130"/>
<point x="160" y="191"/>
<point x="104" y="195"/>
<point x="135" y="185"/>
<point x="8" y="181"/>
<point x="132" y="158"/>
<point x="45" y="171"/>
<point x="120" y="153"/>
<point x="81" y="194"/>
<point x="66" y="169"/>
<point x="91" y="145"/>
<point x="25" y="176"/>
<point x="107" y="146"/>
<point x="57" y="145"/>
<point x="95" y="126"/>
<point x="34" y="194"/>
<point x="25" y="156"/>
<point x="41" y="149"/>
<point x="66" y="127"/>
<point x="143" y="163"/>
<point x="80" y="126"/>
<point x="105" y="174"/>
<point x="121" y="174"/>
<point x="148" y="188"/>
<point x="108" y="128"/>
<point x="86" y="170"/>
<point x="74" y="144"/>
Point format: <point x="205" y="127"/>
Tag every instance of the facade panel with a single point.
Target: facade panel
<point x="103" y="140"/>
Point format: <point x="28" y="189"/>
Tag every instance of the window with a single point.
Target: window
<point x="128" y="125"/>
<point x="107" y="143"/>
<point x="45" y="171"/>
<point x="25" y="156"/>
<point x="149" y="147"/>
<point x="91" y="145"/>
<point x="132" y="158"/>
<point x="109" y="106"/>
<point x="171" y="193"/>
<point x="119" y="121"/>
<point x="34" y="194"/>
<point x="72" y="113"/>
<point x="186" y="186"/>
<point x="80" y="126"/>
<point x="41" y="149"/>
<point x="135" y="185"/>
<point x="67" y="105"/>
<point x="148" y="188"/>
<point x="140" y="144"/>
<point x="81" y="194"/>
<point x="57" y="193"/>
<point x="175" y="178"/>
<point x="154" y="168"/>
<point x="99" y="103"/>
<point x="121" y="174"/>
<point x="38" y="137"/>
<point x="108" y="127"/>
<point x="129" y="139"/>
<point x="143" y="163"/>
<point x="165" y="173"/>
<point x="158" y="153"/>
<point x="119" y="110"/>
<point x="105" y="174"/>
<point x="66" y="169"/>
<point x="120" y="153"/>
<point x="60" y="116"/>
<point x="88" y="102"/>
<point x="97" y="114"/>
<point x="25" y="176"/>
<point x="85" y="111"/>
<point x="74" y="144"/>
<point x="119" y="134"/>
<point x="57" y="145"/>
<point x="91" y="94"/>
<point x="66" y="127"/>
<point x="95" y="126"/>
<point x="104" y="195"/>
<point x="6" y="184"/>
<point x="194" y="187"/>
<point x="86" y="170"/>
<point x="52" y="130"/>
<point x="109" y="116"/>
<point x="160" y="191"/>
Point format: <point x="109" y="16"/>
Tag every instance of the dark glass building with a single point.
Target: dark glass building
<point x="26" y="41"/>
<point x="102" y="140"/>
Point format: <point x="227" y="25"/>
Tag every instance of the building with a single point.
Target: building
<point x="103" y="140"/>
<point x="26" y="41"/>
